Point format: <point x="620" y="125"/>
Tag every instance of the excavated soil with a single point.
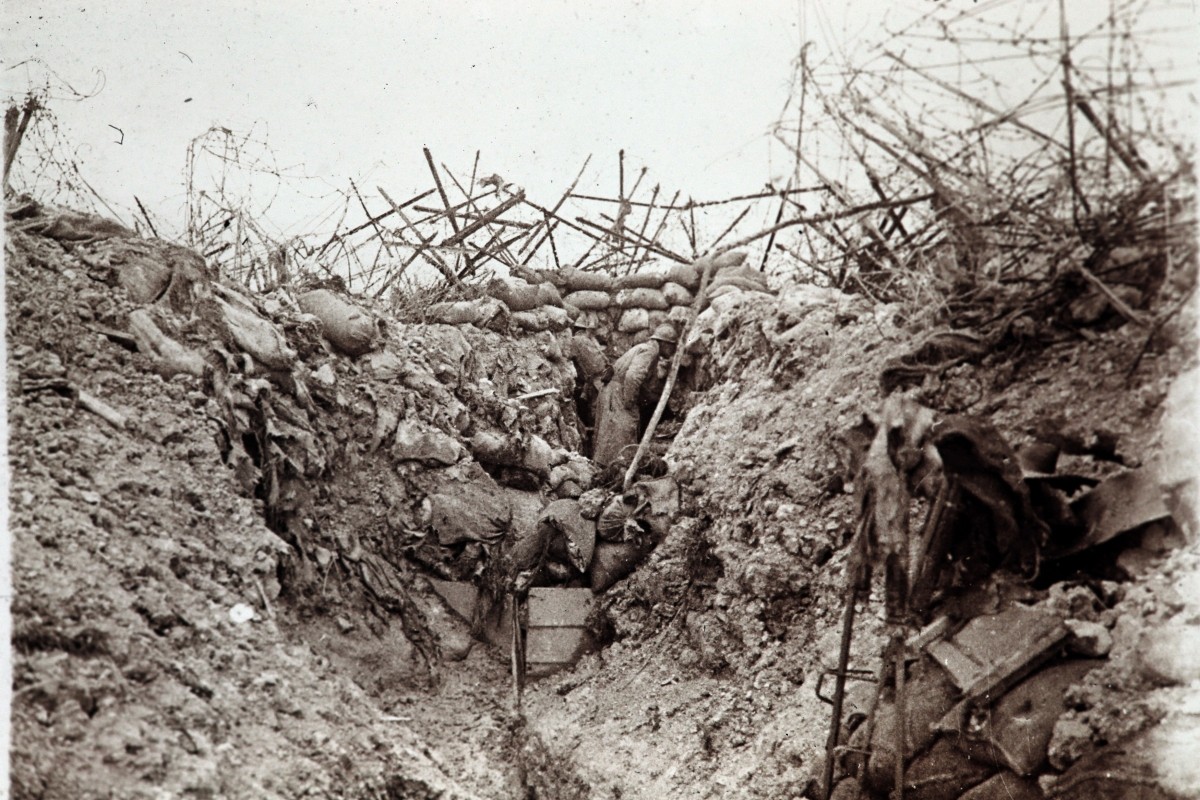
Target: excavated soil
<point x="224" y="594"/>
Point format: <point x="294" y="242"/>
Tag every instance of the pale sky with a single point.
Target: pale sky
<point x="688" y="89"/>
<point x="355" y="90"/>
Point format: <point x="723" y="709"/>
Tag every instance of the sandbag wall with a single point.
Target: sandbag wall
<point x="623" y="310"/>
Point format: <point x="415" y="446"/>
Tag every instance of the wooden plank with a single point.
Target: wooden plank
<point x="963" y="671"/>
<point x="559" y="608"/>
<point x="554" y="645"/>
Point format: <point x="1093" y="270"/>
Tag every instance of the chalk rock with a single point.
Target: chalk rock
<point x="1167" y="655"/>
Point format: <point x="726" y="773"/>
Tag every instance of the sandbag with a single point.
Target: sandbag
<point x="531" y="320"/>
<point x="941" y="773"/>
<point x="557" y="319"/>
<point x="612" y="561"/>
<point x="686" y="275"/>
<point x="633" y="319"/>
<point x="517" y="296"/>
<point x="730" y="259"/>
<point x="589" y="300"/>
<point x="642" y="280"/>
<point x="348" y="328"/>
<point x="576" y="280"/>
<point x="464" y="312"/>
<point x="548" y="295"/>
<point x="744" y="277"/>
<point x="676" y="294"/>
<point x="656" y="318"/>
<point x="651" y="299"/>
<point x="616" y="522"/>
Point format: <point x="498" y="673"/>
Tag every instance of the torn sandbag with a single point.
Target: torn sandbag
<point x="169" y="355"/>
<point x="347" y="327"/>
<point x="471" y="511"/>
<point x="248" y="331"/>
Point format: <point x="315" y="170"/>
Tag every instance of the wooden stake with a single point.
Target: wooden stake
<point x="423" y="249"/>
<point x="145" y="216"/>
<point x="554" y="211"/>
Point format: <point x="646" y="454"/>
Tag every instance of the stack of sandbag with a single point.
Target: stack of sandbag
<point x="626" y="307"/>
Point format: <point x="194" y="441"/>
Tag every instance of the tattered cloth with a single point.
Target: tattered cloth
<point x="996" y="526"/>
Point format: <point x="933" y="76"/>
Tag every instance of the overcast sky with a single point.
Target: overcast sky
<point x="689" y="89"/>
<point x="355" y="90"/>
